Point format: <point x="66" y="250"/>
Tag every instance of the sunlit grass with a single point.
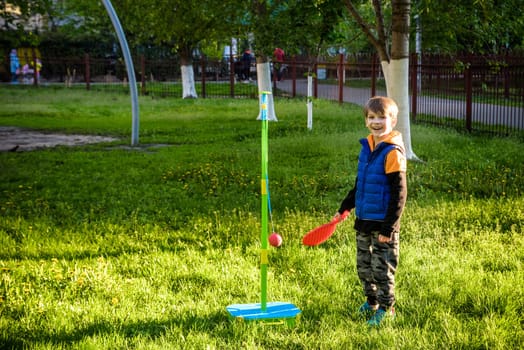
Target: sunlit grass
<point x="106" y="246"/>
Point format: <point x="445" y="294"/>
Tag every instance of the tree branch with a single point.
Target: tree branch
<point x="381" y="29"/>
<point x="360" y="21"/>
<point x="378" y="41"/>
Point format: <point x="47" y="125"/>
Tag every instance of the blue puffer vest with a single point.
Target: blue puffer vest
<point x="372" y="197"/>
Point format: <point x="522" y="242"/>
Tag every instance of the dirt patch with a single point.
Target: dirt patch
<point x="14" y="139"/>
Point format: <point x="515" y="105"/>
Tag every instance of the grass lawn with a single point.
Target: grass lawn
<point x="107" y="246"/>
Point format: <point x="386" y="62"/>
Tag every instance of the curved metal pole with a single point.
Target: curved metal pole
<point x="130" y="69"/>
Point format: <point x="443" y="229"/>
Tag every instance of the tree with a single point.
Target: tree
<point x="482" y="26"/>
<point x="80" y="17"/>
<point x="394" y="57"/>
<point x="19" y="19"/>
<point x="182" y="25"/>
<point x="293" y="25"/>
<point x="265" y="22"/>
<point x="314" y="26"/>
<point x="63" y="28"/>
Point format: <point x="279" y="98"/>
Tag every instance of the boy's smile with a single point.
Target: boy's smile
<point x="379" y="125"/>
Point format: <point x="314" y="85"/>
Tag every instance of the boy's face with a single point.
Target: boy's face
<point x="379" y="125"/>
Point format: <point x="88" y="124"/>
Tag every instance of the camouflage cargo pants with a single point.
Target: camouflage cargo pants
<point x="376" y="266"/>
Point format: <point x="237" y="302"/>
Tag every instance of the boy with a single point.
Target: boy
<point x="378" y="197"/>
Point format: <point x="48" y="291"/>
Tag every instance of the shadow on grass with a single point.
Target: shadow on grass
<point x="151" y="329"/>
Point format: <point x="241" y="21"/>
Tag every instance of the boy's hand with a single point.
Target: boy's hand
<point x="339" y="217"/>
<point x="384" y="239"/>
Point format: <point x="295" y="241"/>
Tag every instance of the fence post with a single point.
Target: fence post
<point x="294" y="77"/>
<point x="414" y="85"/>
<point x="143" y="77"/>
<point x="373" y="75"/>
<point x="203" y="68"/>
<point x="88" y="71"/>
<point x="341" y="70"/>
<point x="315" y="80"/>
<point x="469" y="99"/>
<point x="35" y="67"/>
<point x="231" y="72"/>
<point x="506" y="76"/>
<point x="274" y="77"/>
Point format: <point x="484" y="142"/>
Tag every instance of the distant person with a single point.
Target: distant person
<point x="27" y="74"/>
<point x="246" y="65"/>
<point x="278" y="62"/>
<point x="379" y="197"/>
<point x="38" y="69"/>
<point x="15" y="66"/>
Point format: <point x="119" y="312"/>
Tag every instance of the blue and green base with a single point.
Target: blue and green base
<point x="275" y="313"/>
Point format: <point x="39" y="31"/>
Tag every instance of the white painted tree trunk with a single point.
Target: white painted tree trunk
<point x="396" y="74"/>
<point x="264" y="84"/>
<point x="309" y="103"/>
<point x="188" y="82"/>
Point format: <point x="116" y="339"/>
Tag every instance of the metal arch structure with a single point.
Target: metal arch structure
<point x="130" y="70"/>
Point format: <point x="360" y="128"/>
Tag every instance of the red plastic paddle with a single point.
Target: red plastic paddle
<point x="322" y="233"/>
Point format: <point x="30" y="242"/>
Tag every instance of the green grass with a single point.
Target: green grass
<point x="107" y="247"/>
<point x="169" y="89"/>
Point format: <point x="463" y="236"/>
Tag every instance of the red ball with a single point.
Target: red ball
<point x="275" y="239"/>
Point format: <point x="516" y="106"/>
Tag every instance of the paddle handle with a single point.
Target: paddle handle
<point x="342" y="216"/>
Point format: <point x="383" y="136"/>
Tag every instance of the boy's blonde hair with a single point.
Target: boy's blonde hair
<point x="381" y="105"/>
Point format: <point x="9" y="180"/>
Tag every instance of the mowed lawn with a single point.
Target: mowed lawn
<point x="108" y="246"/>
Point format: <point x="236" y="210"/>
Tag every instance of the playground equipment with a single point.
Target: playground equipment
<point x="270" y="312"/>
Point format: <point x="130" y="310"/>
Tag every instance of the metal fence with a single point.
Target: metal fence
<point x="476" y="93"/>
<point x="473" y="93"/>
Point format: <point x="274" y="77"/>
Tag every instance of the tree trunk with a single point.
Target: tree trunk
<point x="188" y="76"/>
<point x="264" y="84"/>
<point x="395" y="66"/>
<point x="397" y="82"/>
<point x="396" y="74"/>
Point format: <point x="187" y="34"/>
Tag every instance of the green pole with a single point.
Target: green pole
<point x="264" y="203"/>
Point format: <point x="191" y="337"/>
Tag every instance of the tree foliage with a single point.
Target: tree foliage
<point x="374" y="26"/>
<point x="181" y="25"/>
<point x="296" y="26"/>
<point x="481" y="26"/>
